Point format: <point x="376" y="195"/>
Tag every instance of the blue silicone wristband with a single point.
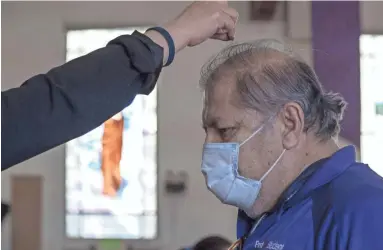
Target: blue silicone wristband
<point x="169" y="40"/>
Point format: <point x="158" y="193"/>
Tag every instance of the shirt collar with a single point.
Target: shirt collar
<point x="317" y="174"/>
<point x="327" y="169"/>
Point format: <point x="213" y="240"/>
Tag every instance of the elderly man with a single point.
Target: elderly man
<point x="271" y="151"/>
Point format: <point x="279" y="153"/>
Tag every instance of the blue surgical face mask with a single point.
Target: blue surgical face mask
<point x="220" y="168"/>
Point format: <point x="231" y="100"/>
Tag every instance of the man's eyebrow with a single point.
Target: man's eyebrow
<point x="217" y="122"/>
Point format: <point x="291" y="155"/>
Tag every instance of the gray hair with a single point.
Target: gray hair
<point x="268" y="75"/>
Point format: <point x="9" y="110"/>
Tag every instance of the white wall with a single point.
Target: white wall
<point x="33" y="41"/>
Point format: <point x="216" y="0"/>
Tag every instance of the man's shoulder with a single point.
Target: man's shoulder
<point x="349" y="209"/>
<point x="355" y="189"/>
<point x="358" y="186"/>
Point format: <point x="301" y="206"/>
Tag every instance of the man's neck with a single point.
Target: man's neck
<point x="295" y="165"/>
<point x="317" y="151"/>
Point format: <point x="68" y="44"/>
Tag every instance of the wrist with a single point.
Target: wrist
<point x="179" y="36"/>
<point x="171" y="45"/>
<point x="157" y="38"/>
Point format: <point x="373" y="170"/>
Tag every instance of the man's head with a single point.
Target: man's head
<point x="250" y="85"/>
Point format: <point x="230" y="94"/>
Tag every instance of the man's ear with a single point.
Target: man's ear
<point x="292" y="119"/>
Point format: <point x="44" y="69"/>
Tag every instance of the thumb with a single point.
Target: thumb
<point x="221" y="36"/>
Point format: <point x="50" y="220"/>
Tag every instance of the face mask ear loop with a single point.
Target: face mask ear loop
<point x="256" y="131"/>
<point x="275" y="163"/>
<point x="251" y="136"/>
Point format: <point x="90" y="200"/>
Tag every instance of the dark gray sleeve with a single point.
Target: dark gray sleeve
<point x="50" y="109"/>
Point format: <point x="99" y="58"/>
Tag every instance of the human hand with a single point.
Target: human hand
<point x="200" y="21"/>
<point x="203" y="20"/>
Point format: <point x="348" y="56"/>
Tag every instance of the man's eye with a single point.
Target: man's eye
<point x="225" y="133"/>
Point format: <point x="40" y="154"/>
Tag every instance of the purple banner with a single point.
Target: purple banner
<point x="335" y="40"/>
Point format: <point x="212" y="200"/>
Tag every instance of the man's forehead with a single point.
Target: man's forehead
<point x="220" y="102"/>
<point x="222" y="87"/>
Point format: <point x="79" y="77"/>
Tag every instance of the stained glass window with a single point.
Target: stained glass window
<point x="371" y="70"/>
<point x="111" y="172"/>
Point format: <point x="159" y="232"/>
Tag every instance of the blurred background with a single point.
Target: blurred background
<point x="58" y="199"/>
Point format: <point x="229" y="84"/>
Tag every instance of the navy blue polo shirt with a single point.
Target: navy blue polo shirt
<point x="336" y="203"/>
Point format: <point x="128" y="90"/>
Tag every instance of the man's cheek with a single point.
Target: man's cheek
<point x="246" y="162"/>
